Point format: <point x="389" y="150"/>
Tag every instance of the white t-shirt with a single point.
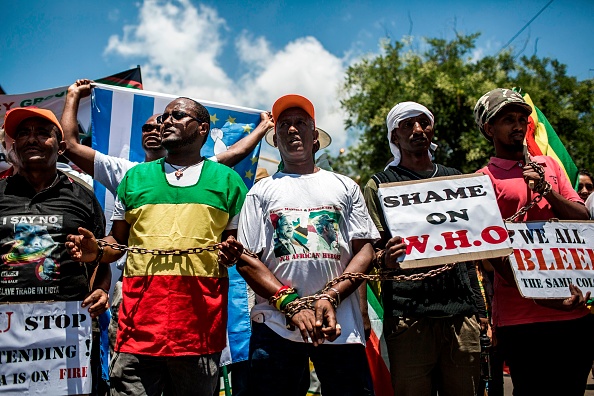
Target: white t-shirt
<point x="303" y="224"/>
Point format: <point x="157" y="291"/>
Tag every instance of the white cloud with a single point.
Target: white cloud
<point x="181" y="46"/>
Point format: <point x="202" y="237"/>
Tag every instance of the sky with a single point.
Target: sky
<point x="249" y="52"/>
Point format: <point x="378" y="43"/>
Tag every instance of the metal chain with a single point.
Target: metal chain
<point x="302" y="303"/>
<point x="155" y="252"/>
<point x="541" y="189"/>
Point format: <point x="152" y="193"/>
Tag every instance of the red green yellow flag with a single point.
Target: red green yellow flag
<point x="542" y="139"/>
<point x="376" y="348"/>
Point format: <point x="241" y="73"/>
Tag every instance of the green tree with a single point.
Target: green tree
<point x="446" y="79"/>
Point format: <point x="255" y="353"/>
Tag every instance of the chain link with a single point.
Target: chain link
<point x="155" y="252"/>
<point x="302" y="303"/>
<point x="541" y="189"/>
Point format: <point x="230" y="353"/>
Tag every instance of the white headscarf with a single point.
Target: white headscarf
<point x="401" y="112"/>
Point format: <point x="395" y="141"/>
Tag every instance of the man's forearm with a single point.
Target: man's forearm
<point x="102" y="277"/>
<point x="81" y="155"/>
<point x="565" y="209"/>
<point x="258" y="276"/>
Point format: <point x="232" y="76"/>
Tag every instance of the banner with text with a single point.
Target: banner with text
<point x="45" y="348"/>
<point x="548" y="256"/>
<point x="445" y="219"/>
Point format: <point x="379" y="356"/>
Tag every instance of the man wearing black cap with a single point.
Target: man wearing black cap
<point x="283" y="340"/>
<point x="40" y="207"/>
<point x="534" y="336"/>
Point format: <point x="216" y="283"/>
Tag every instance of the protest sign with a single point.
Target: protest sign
<point x="45" y="347"/>
<point x="548" y="256"/>
<point x="445" y="219"/>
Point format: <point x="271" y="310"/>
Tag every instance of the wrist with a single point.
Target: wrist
<point x="100" y="252"/>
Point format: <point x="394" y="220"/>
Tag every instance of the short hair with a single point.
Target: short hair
<point x="202" y="113"/>
<point x="584" y="172"/>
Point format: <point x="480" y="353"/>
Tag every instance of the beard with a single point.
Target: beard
<point x="174" y="144"/>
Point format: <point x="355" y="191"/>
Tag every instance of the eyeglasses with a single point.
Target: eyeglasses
<point x="588" y="186"/>
<point x="150" y="127"/>
<point x="176" y="114"/>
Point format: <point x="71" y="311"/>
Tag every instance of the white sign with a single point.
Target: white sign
<point x="51" y="99"/>
<point x="45" y="348"/>
<point x="548" y="256"/>
<point x="445" y="219"/>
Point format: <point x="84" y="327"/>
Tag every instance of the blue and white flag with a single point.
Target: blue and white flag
<point x="117" y="116"/>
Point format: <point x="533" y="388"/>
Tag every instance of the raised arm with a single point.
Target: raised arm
<point x="240" y="149"/>
<point x="76" y="152"/>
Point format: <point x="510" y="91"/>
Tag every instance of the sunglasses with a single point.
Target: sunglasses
<point x="150" y="127"/>
<point x="176" y="114"/>
<point x="588" y="186"/>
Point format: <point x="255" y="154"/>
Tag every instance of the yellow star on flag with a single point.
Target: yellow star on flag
<point x="249" y="174"/>
<point x="254" y="160"/>
<point x="213" y="119"/>
<point x="231" y="120"/>
<point x="247" y="128"/>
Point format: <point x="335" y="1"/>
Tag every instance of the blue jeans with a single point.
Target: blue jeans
<point x="281" y="367"/>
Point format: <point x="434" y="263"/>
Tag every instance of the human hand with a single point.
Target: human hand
<point x="531" y="176"/>
<point x="305" y="321"/>
<point x="326" y="321"/>
<point x="81" y="87"/>
<point x="266" y="121"/>
<point x="230" y="251"/>
<point x="83" y="247"/>
<point x="395" y="248"/>
<point x="576" y="300"/>
<point x="98" y="301"/>
<point x="484" y="323"/>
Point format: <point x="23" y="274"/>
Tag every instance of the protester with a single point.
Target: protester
<point x="32" y="250"/>
<point x="109" y="170"/>
<point x="585" y="184"/>
<point x="174" y="309"/>
<point x="533" y="334"/>
<point x="431" y="326"/>
<point x="330" y="330"/>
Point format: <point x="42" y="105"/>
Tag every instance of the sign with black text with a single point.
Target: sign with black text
<point x="45" y="348"/>
<point x="445" y="219"/>
<point x="548" y="256"/>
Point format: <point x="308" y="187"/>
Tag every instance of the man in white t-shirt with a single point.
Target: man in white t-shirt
<point x="330" y="331"/>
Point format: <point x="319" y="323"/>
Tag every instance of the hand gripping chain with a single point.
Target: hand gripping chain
<point x="541" y="189"/>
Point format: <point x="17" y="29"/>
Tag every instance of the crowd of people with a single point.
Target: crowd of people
<point x="291" y="236"/>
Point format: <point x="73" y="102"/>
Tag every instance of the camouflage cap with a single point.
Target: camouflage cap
<point x="492" y="102"/>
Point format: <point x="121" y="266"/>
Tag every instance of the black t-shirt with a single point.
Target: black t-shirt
<point x="34" y="263"/>
<point x="448" y="294"/>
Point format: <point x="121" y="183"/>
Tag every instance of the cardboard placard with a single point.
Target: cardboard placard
<point x="445" y="219"/>
<point x="45" y="348"/>
<point x="548" y="256"/>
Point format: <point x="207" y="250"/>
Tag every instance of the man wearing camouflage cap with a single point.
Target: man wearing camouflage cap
<point x="533" y="334"/>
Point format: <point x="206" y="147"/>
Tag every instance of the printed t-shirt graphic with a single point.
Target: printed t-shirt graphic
<point x="30" y="257"/>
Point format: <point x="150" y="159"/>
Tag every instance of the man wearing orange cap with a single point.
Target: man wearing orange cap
<point x="330" y="330"/>
<point x="40" y="207"/>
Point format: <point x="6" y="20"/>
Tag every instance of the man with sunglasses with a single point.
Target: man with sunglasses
<point x="173" y="316"/>
<point x="109" y="170"/>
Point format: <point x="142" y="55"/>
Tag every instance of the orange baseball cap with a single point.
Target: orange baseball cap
<point x="14" y="117"/>
<point x="292" y="100"/>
